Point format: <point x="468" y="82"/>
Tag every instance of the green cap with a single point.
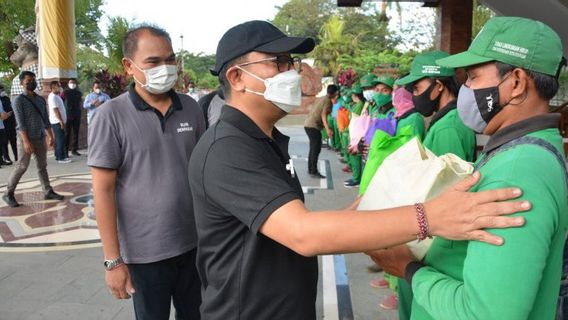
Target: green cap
<point x="520" y="42"/>
<point x="424" y="66"/>
<point x="386" y="80"/>
<point x="356" y="88"/>
<point x="368" y="80"/>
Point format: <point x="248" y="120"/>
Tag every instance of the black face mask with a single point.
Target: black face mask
<point x="31" y="86"/>
<point x="422" y="102"/>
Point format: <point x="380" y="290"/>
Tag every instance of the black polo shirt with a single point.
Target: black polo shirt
<point x="238" y="179"/>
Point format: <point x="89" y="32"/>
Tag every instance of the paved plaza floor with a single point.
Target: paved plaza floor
<point x="51" y="260"/>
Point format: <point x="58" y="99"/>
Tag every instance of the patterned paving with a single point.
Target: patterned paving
<point x="42" y="225"/>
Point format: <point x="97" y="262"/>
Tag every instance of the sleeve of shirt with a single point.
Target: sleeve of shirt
<point x="446" y="140"/>
<point x="45" y="116"/>
<point x="104" y="143"/>
<point x="500" y="282"/>
<point x="51" y="103"/>
<point x="21" y="122"/>
<point x="243" y="184"/>
<point x="88" y="104"/>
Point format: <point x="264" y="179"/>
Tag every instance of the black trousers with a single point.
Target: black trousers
<point x="12" y="140"/>
<point x="157" y="283"/>
<point x="3" y="142"/>
<point x="72" y="131"/>
<point x="315" y="148"/>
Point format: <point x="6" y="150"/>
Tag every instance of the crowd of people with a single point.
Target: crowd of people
<point x="198" y="204"/>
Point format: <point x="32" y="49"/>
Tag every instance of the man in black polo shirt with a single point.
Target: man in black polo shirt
<point x="257" y="242"/>
<point x="139" y="149"/>
<point x="73" y="107"/>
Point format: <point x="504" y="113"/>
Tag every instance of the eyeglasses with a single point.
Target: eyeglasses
<point x="283" y="63"/>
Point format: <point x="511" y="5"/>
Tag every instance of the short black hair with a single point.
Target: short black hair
<point x="223" y="82"/>
<point x="72" y="79"/>
<point x="130" y="43"/>
<point x="332" y="89"/>
<point x="25" y="74"/>
<point x="546" y="85"/>
<point x="96" y="82"/>
<point x="53" y="84"/>
<point x="449" y="82"/>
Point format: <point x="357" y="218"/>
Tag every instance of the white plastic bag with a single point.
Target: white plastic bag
<point x="409" y="175"/>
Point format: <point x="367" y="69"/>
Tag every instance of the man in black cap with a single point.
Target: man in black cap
<point x="257" y="243"/>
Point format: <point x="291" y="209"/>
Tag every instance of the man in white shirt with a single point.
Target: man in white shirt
<point x="58" y="118"/>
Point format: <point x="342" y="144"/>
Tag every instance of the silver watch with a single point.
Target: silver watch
<point x="111" y="264"/>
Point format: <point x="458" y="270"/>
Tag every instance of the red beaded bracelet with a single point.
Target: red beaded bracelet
<point x="422" y="222"/>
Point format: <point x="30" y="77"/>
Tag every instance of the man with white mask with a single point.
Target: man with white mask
<point x="139" y="148"/>
<point x="257" y="241"/>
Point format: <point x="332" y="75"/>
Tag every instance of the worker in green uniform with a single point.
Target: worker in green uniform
<point x="406" y="115"/>
<point x="512" y="69"/>
<point x="382" y="108"/>
<point x="434" y="90"/>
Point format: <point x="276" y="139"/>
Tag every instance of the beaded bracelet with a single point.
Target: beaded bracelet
<point x="422" y="222"/>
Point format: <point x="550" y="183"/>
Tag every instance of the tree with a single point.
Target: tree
<point x="88" y="13"/>
<point x="18" y="15"/>
<point x="480" y="16"/>
<point x="117" y="29"/>
<point x="304" y="18"/>
<point x="369" y="27"/>
<point x="333" y="44"/>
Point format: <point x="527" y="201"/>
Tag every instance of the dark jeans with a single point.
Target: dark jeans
<point x="72" y="131"/>
<point x="3" y="141"/>
<point x="60" y="143"/>
<point x="11" y="138"/>
<point x="315" y="148"/>
<point x="157" y="283"/>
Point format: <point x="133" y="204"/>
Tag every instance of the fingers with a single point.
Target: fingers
<point x="502" y="208"/>
<point x="129" y="287"/>
<point x="486" y="237"/>
<point x="496" y="195"/>
<point x="468" y="182"/>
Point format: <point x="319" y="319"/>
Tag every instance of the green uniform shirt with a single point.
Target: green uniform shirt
<point x="450" y="135"/>
<point x="520" y="279"/>
<point x="416" y="121"/>
<point x="357" y="108"/>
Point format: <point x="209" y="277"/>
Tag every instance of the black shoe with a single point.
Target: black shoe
<point x="10" y="200"/>
<point x="51" y="195"/>
<point x="7" y="161"/>
<point x="76" y="153"/>
<point x="317" y="175"/>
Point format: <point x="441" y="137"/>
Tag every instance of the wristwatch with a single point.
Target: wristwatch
<point x="111" y="264"/>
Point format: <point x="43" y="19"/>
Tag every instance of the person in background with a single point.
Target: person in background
<point x="94" y="100"/>
<point x="73" y="102"/>
<point x="33" y="126"/>
<point x="58" y="120"/>
<point x="315" y="122"/>
<point x="9" y="129"/>
<point x="211" y="105"/>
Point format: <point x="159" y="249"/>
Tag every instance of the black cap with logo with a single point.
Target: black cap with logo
<point x="258" y="36"/>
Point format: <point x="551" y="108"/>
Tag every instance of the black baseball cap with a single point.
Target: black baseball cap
<point x="258" y="36"/>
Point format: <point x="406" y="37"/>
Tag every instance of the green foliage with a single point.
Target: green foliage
<point x="333" y="44"/>
<point x="366" y="60"/>
<point x="14" y="15"/>
<point x="89" y="62"/>
<point x="197" y="66"/>
<point x="117" y="29"/>
<point x="88" y="13"/>
<point x="20" y="14"/>
<point x="304" y="18"/>
<point x="480" y="16"/>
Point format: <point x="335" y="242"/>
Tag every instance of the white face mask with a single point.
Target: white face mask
<point x="284" y="89"/>
<point x="368" y="94"/>
<point x="72" y="86"/>
<point x="97" y="91"/>
<point x="159" y="79"/>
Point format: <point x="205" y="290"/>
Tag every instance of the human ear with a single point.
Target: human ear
<point x="235" y="79"/>
<point x="518" y="84"/>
